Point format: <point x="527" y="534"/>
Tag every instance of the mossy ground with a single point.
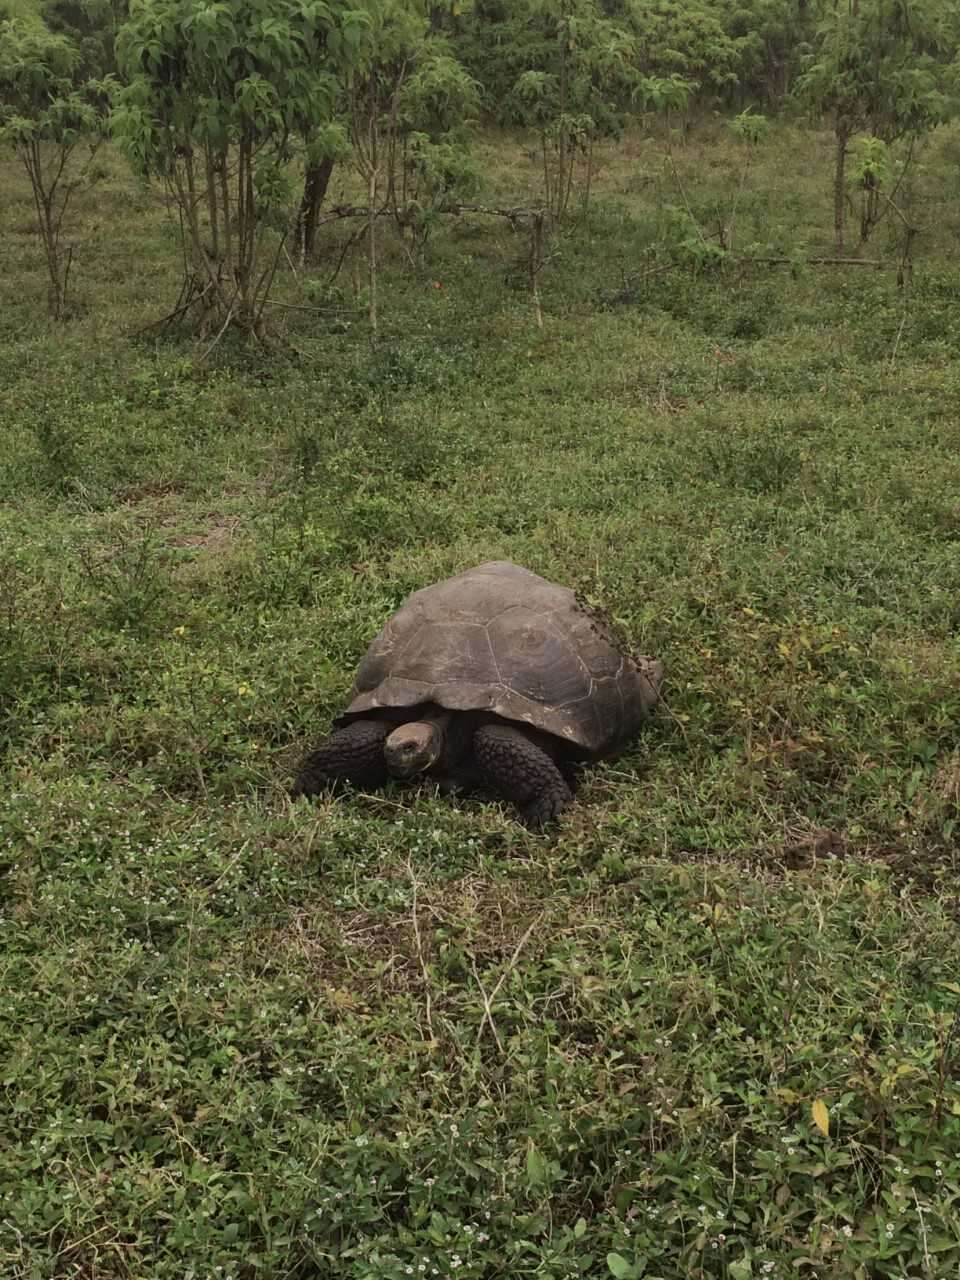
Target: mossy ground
<point x="393" y="1035"/>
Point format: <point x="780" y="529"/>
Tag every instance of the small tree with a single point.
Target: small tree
<point x="873" y="70"/>
<point x="402" y="101"/>
<point x="323" y="148"/>
<point x="585" y="74"/>
<point x="372" y="95"/>
<point x="749" y="129"/>
<point x="215" y="93"/>
<point x="47" y="118"/>
<point x="420" y="102"/>
<point x="430" y="160"/>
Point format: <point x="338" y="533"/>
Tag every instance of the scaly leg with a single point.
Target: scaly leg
<point x="351" y="754"/>
<point x="522" y="772"/>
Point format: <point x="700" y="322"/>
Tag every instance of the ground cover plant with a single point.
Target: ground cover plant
<point x="706" y="1029"/>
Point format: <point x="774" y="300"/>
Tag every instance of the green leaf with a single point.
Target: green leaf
<point x="580" y="1228"/>
<point x="536" y="1167"/>
<point x="821" y="1116"/>
<point x="618" y="1265"/>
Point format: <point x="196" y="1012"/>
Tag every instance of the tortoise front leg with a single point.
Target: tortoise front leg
<point x="522" y="772"/>
<point x="351" y="754"/>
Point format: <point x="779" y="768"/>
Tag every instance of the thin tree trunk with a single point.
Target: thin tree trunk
<point x="212" y="211"/>
<point x="869" y="210"/>
<point x="189" y="203"/>
<point x="316" y="179"/>
<point x="372" y="246"/>
<point x="536" y="263"/>
<point x="547" y="186"/>
<point x="841" y="133"/>
<point x="225" y="210"/>
<point x="200" y="259"/>
<point x="47" y="225"/>
<point x="571" y="157"/>
<point x="246" y="234"/>
<point x="589" y="179"/>
<point x="563" y="188"/>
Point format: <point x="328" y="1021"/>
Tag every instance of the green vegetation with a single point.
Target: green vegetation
<point x="708" y="1027"/>
<point x="49" y="113"/>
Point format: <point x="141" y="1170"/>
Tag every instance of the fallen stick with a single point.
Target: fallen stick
<point x="817" y="262"/>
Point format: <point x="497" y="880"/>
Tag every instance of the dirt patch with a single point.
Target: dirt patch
<point x="155" y="508"/>
<point x="946" y="781"/>
<point x="218" y="534"/>
<point x="462" y="926"/>
<point x="146" y="495"/>
<point x="810" y="847"/>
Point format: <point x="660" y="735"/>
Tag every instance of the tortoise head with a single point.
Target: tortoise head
<point x="413" y="748"/>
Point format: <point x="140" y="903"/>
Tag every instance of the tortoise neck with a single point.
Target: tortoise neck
<point x="438" y="717"/>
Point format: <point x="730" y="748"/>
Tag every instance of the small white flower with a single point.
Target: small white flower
<point x="848" y="1231"/>
<point x="890" y="1228"/>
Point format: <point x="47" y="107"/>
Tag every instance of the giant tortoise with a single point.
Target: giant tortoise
<point x="495" y="679"/>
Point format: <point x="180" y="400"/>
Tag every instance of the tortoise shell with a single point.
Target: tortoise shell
<point x="501" y="639"/>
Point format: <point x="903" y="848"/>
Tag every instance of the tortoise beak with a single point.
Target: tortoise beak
<point x="407" y="759"/>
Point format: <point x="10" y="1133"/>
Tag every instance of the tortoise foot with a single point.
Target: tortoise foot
<point x="544" y="810"/>
<point x="522" y="773"/>
<point x="351" y="754"/>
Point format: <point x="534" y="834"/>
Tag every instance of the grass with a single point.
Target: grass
<point x="392" y="1035"/>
